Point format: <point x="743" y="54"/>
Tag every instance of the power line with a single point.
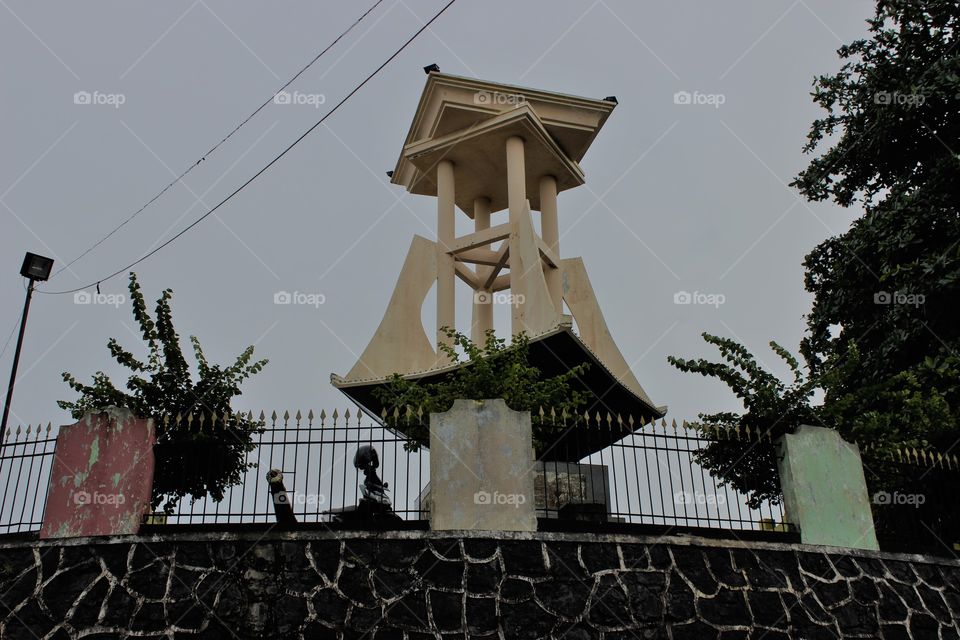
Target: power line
<point x="193" y="224"/>
<point x="222" y="140"/>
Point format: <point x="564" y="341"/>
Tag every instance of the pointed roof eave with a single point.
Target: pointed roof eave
<point x="600" y="110"/>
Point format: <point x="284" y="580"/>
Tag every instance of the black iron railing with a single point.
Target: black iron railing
<point x="315" y="453"/>
<point x="599" y="470"/>
<point x="26" y="457"/>
<point x="646" y="474"/>
<point x="913" y="495"/>
<point x="596" y="469"/>
<point x="591" y="469"/>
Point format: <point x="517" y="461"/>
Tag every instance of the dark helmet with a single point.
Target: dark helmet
<point x="366" y="458"/>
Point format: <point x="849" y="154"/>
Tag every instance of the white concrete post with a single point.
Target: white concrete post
<point x="482" y="299"/>
<point x="446" y="234"/>
<point x="482" y="468"/>
<point x="517" y="203"/>
<point x="550" y="230"/>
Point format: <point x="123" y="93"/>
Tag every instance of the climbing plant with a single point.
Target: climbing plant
<point x="192" y="457"/>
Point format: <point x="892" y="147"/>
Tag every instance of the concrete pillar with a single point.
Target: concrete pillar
<point x="824" y="491"/>
<point x="482" y="299"/>
<point x="102" y="476"/>
<point x="517" y="203"/>
<point x="482" y="468"/>
<point x="550" y="230"/>
<point x="446" y="233"/>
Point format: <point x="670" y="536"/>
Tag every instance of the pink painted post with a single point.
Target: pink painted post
<point x="102" y="476"/>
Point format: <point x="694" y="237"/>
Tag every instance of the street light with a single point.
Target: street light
<point x="35" y="269"/>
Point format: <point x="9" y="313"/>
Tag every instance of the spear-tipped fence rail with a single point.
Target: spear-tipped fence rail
<point x="314" y="452"/>
<point x="913" y="498"/>
<point x="645" y="474"/>
<point x="26" y="456"/>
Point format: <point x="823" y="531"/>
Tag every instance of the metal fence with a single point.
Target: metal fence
<point x="26" y="457"/>
<point x="592" y="469"/>
<point x="648" y="474"/>
<point x="315" y="454"/>
<point x="595" y="469"/>
<point x="913" y="495"/>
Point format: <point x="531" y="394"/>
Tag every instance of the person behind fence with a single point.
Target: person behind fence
<point x="280" y="498"/>
<point x="374" y="489"/>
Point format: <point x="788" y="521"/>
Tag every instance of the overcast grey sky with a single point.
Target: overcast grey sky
<point x="679" y="197"/>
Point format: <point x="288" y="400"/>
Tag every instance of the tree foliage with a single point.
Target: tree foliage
<point x="491" y="370"/>
<point x="772" y="408"/>
<point x="882" y="337"/>
<point x="162" y="386"/>
<point x="884" y="321"/>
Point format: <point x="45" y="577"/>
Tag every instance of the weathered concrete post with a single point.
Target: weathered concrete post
<point x="102" y="476"/>
<point x="481" y="468"/>
<point x="824" y="491"/>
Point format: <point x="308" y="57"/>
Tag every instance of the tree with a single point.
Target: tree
<point x="882" y="337"/>
<point x="491" y="370"/>
<point x="884" y="323"/>
<point x="190" y="460"/>
<point x="773" y="408"/>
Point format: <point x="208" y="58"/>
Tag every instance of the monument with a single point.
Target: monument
<point x="484" y="149"/>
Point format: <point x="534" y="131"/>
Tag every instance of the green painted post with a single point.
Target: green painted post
<point x="824" y="491"/>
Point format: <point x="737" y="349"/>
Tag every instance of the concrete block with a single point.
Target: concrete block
<point x="102" y="476"/>
<point x="482" y="468"/>
<point x="824" y="490"/>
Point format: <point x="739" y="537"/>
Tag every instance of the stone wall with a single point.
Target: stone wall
<point x="270" y="584"/>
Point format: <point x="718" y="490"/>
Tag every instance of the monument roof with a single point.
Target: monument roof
<point x="463" y="119"/>
<point x="554" y="352"/>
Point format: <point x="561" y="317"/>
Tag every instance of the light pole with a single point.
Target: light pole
<point x="35" y="268"/>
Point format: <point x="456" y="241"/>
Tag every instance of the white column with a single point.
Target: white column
<point x="482" y="299"/>
<point x="550" y="229"/>
<point x="446" y="233"/>
<point x="517" y="202"/>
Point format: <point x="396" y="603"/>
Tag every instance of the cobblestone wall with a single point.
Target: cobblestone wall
<point x="426" y="585"/>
